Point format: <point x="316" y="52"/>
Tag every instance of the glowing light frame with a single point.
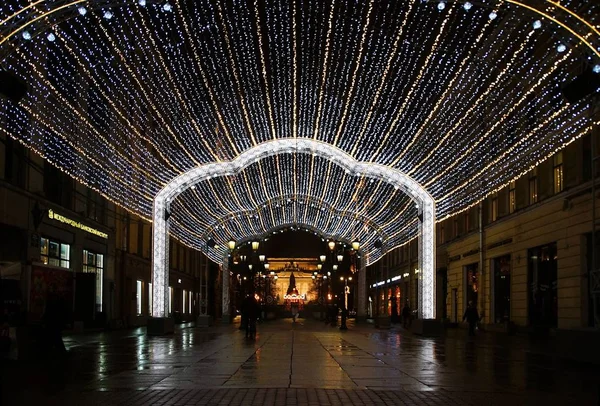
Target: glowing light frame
<point x="162" y="201"/>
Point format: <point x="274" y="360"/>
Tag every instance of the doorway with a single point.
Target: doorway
<point x="542" y="282"/>
<point x="501" y="268"/>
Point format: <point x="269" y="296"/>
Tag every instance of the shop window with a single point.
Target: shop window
<point x="94" y="263"/>
<point x="512" y="200"/>
<point x="138" y="298"/>
<point x="150" y="293"/>
<point x="472" y="285"/>
<point x="558" y="172"/>
<point x="55" y="253"/>
<point x="501" y="269"/>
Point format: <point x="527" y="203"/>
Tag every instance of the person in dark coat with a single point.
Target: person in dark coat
<point x="472" y="317"/>
<point x="253" y="311"/>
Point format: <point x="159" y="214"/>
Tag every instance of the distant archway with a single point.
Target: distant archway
<point x="424" y="202"/>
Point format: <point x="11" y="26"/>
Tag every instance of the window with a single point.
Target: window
<point x="456" y="231"/>
<point x="467" y="215"/>
<point x="558" y="172"/>
<point x="512" y="201"/>
<point x="138" y="298"/>
<point x="442" y="235"/>
<point x="94" y="263"/>
<point x="183" y="300"/>
<point x="533" y="190"/>
<point x="170" y="300"/>
<point x="150" y="299"/>
<point x="190" y="294"/>
<point x="54" y="253"/>
<point x="495" y="207"/>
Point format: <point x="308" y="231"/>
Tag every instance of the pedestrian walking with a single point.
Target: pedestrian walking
<point x="253" y="313"/>
<point x="295" y="311"/>
<point x="472" y="317"/>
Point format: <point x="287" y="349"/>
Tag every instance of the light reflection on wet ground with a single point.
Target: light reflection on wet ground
<point x="307" y="355"/>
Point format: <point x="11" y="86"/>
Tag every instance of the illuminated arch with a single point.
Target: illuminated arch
<point x="424" y="201"/>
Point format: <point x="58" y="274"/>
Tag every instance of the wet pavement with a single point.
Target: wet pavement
<point x="308" y="363"/>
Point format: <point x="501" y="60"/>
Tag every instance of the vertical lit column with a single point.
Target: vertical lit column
<point x="160" y="257"/>
<point x="225" y="300"/>
<point x="426" y="244"/>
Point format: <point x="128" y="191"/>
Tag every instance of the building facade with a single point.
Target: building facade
<point x="523" y="255"/>
<point x="63" y="240"/>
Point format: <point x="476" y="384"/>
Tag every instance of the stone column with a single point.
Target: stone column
<point x="226" y="316"/>
<point x="362" y="292"/>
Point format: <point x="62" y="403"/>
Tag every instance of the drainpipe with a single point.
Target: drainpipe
<point x="481" y="303"/>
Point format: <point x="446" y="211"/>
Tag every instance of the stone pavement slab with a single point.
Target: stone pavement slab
<point x="303" y="364"/>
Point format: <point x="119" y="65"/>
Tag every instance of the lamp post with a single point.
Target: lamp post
<point x="345" y="308"/>
<point x="226" y="284"/>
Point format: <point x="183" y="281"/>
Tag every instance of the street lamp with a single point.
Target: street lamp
<point x="331" y="245"/>
<point x="355" y="245"/>
<point x="255" y="245"/>
<point x="322" y="258"/>
<point x="335" y="267"/>
<point x="340" y="258"/>
<point x="261" y="258"/>
<point x="319" y="266"/>
<point x="231" y="245"/>
<point x="267" y="265"/>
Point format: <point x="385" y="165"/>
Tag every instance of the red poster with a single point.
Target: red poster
<point x="45" y="281"/>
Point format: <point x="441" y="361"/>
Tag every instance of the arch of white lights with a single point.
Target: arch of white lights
<point x="424" y="201"/>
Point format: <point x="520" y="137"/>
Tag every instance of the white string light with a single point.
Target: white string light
<point x="127" y="97"/>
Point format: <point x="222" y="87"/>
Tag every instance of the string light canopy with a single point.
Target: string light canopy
<point x="461" y="97"/>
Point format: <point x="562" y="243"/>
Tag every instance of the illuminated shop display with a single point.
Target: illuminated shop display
<point x="364" y="121"/>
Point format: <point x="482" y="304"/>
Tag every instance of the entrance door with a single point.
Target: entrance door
<point x="501" y="269"/>
<point x="542" y="292"/>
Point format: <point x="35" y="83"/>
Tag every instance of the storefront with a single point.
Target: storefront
<point x="68" y="258"/>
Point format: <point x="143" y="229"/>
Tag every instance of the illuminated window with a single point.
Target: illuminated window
<point x="512" y="202"/>
<point x="190" y="295"/>
<point x="183" y="301"/>
<point x="94" y="263"/>
<point x="558" y="172"/>
<point x="495" y="207"/>
<point x="533" y="189"/>
<point x="55" y="253"/>
<point x="138" y="298"/>
<point x="170" y="300"/>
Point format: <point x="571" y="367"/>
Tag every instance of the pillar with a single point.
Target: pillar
<point x="226" y="316"/>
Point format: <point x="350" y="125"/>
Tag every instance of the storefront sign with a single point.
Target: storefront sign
<point x="74" y="223"/>
<point x="294" y="297"/>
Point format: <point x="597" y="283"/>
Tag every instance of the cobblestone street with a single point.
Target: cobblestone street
<point x="304" y="364"/>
